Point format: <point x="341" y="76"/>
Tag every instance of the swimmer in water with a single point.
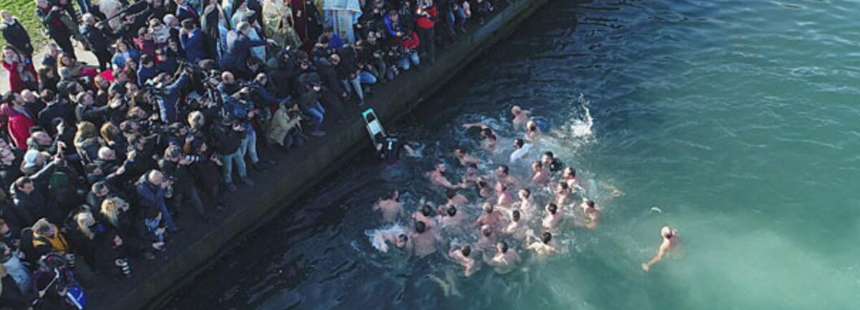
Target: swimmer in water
<point x="521" y="149"/>
<point x="489" y="140"/>
<point x="464" y="158"/>
<point x="463" y="257"/>
<point x="569" y="176"/>
<point x="491" y="217"/>
<point x="424" y="240"/>
<point x="425" y="214"/>
<point x="455" y="199"/>
<point x="670" y="240"/>
<point x="504" y="198"/>
<point x="472" y="175"/>
<point x="505" y="259"/>
<point x="503" y="174"/>
<point x="544" y="247"/>
<point x="517" y="228"/>
<point x="395" y="235"/>
<point x="391" y="208"/>
<point x="520" y="117"/>
<point x="486" y="240"/>
<point x="540" y="176"/>
<point x="488" y="137"/>
<point x="553" y="218"/>
<point x="533" y="132"/>
<point x="592" y="214"/>
<point x="438" y="177"/>
<point x="451" y="218"/>
<point x="483" y="188"/>
<point x="562" y="194"/>
<point x="551" y="162"/>
<point x="526" y="205"/>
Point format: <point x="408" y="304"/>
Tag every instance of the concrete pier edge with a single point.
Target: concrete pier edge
<point x="303" y="168"/>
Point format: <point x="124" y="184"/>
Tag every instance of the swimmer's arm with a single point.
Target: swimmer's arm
<point x="470" y="125"/>
<point x="661" y="252"/>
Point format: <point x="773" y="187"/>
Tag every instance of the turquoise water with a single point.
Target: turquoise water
<point x="738" y="119"/>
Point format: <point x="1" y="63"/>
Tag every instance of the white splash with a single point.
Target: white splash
<point x="582" y="127"/>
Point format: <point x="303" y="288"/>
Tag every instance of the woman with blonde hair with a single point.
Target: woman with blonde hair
<point x="97" y="243"/>
<point x="115" y="213"/>
<point x="114" y="139"/>
<point x="87" y="141"/>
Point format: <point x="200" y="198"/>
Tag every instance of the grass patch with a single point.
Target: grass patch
<point x="25" y="10"/>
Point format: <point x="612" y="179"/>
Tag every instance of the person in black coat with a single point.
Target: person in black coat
<point x="98" y="243"/>
<point x="15" y="35"/>
<point x="97" y="41"/>
<point x="52" y="19"/>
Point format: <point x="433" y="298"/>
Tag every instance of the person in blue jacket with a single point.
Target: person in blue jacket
<point x="239" y="46"/>
<point x="193" y="42"/>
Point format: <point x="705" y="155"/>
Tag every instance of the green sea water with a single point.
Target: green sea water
<point x="737" y="119"/>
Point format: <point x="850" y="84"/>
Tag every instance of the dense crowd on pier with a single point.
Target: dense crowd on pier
<point x="99" y="160"/>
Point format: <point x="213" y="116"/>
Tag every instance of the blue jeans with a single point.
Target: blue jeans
<point x="249" y="146"/>
<point x="363" y="77"/>
<point x="409" y="60"/>
<point x="228" y="160"/>
<point x="167" y="217"/>
<point x="317" y="113"/>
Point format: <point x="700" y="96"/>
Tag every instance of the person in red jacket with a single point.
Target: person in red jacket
<point x="22" y="75"/>
<point x="426" y="22"/>
<point x="20" y="120"/>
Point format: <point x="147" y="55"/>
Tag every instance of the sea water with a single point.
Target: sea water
<point x="734" y="121"/>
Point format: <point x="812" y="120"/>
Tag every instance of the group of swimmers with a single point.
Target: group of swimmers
<point x="502" y="223"/>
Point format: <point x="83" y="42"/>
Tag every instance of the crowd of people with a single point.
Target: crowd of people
<point x="493" y="217"/>
<point x="100" y="159"/>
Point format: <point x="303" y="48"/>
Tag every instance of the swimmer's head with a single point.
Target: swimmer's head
<point x="420" y="227"/>
<point x="516" y="110"/>
<point x="532" y="126"/>
<point x="547" y="157"/>
<point x="466" y="250"/>
<point x="459" y="152"/>
<point x="427" y="210"/>
<point x="488" y="207"/>
<point x="472" y="166"/>
<point x="667" y="232"/>
<point x="537" y="165"/>
<point x="441" y="167"/>
<point x="481" y="184"/>
<point x="563" y="187"/>
<point x="518" y="143"/>
<point x="452" y="211"/>
<point x="502" y="170"/>
<point x="590" y="204"/>
<point x="501" y="187"/>
<point x="545" y="237"/>
<point x="450" y="193"/>
<point x="486" y="231"/>
<point x="487" y="133"/>
<point x="502" y="247"/>
<point x="525" y="193"/>
<point x="516" y="215"/>
<point x="552" y="208"/>
<point x="401" y="240"/>
<point x="569" y="172"/>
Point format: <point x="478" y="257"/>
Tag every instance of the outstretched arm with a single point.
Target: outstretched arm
<point x="661" y="252"/>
